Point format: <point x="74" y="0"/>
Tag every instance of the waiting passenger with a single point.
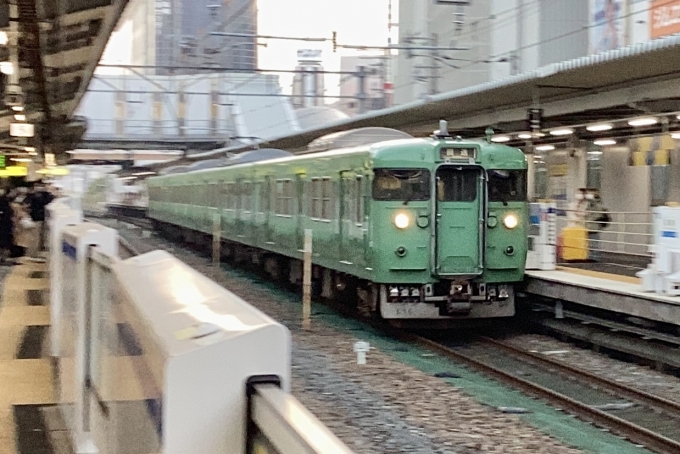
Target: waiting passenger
<point x="6" y="228"/>
<point x="597" y="220"/>
<point x="24" y="228"/>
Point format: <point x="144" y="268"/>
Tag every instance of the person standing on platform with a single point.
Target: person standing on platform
<point x="24" y="227"/>
<point x="597" y="219"/>
<point x="37" y="200"/>
<point x="6" y="228"/>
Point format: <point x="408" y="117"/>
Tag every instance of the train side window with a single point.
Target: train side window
<point x="231" y="203"/>
<point x="348" y="198"/>
<point x="316" y="198"/>
<point x="284" y="197"/>
<point x="326" y="198"/>
<point x="246" y="190"/>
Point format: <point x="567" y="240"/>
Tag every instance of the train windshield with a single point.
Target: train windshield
<point x="507" y="185"/>
<point x="401" y="184"/>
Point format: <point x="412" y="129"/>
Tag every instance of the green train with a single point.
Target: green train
<point x="406" y="228"/>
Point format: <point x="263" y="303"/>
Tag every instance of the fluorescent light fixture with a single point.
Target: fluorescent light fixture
<point x="600" y="127"/>
<point x="678" y="117"/>
<point x="4" y="39"/>
<point x="141" y="174"/>
<point x="525" y="135"/>
<point x="22" y="159"/>
<point x="562" y="132"/>
<point x="6" y="67"/>
<point x="30" y="149"/>
<point x="20" y="117"/>
<point x="545" y="147"/>
<point x="643" y="121"/>
<point x="595" y="152"/>
<point x="603" y="142"/>
<point x="676" y="135"/>
<point x="500" y="139"/>
<point x="18" y="108"/>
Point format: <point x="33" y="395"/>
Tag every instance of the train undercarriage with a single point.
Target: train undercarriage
<point x="440" y="304"/>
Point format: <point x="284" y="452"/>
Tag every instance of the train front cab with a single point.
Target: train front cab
<point x="476" y="244"/>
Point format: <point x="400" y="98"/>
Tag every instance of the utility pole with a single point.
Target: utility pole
<point x="361" y="95"/>
<point x="434" y="78"/>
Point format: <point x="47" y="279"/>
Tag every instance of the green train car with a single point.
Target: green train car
<point x="407" y="229"/>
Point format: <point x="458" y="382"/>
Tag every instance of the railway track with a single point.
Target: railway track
<point x="641" y="418"/>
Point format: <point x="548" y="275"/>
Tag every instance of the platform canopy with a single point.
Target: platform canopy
<point x="55" y="46"/>
<point x="628" y="82"/>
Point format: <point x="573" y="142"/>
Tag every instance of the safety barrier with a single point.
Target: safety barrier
<point x="627" y="233"/>
<point x="152" y="356"/>
<point x="662" y="275"/>
<point x="542" y="237"/>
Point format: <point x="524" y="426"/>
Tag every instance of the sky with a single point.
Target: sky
<point x="357" y="22"/>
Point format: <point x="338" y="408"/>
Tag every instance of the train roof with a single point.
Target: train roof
<point x="355" y="138"/>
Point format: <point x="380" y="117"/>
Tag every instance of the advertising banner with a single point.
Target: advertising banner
<point x="607" y="25"/>
<point x="664" y="18"/>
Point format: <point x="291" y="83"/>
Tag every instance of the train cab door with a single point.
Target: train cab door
<point x="460" y="201"/>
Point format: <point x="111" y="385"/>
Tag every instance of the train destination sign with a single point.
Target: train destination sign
<point x="458" y="153"/>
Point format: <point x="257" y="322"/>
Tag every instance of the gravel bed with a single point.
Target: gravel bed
<point x="384" y="406"/>
<point x="636" y="376"/>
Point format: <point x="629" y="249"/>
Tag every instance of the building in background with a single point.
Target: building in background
<point x="308" y="82"/>
<point x="451" y="45"/>
<point x="168" y="34"/>
<point x="471" y="42"/>
<point x="367" y="82"/>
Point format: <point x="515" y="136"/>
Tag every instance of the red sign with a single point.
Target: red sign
<point x="664" y="18"/>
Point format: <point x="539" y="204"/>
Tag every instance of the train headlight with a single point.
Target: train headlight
<point x="402" y="220"/>
<point x="510" y="221"/>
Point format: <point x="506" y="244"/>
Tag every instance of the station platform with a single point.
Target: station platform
<point x="612" y="292"/>
<point x="26" y="386"/>
<point x="612" y="263"/>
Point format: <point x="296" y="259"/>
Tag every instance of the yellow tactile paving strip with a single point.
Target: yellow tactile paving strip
<point x="611" y="277"/>
<point x="22" y="381"/>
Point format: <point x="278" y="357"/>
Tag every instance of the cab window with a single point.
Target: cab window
<point x="401" y="184"/>
<point x="507" y="185"/>
<point x="457" y="185"/>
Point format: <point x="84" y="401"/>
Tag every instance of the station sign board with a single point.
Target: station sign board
<point x="664" y="18"/>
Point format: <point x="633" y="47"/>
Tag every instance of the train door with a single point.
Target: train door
<point x="269" y="210"/>
<point x="345" y="215"/>
<point x="459" y="199"/>
<point x="299" y="210"/>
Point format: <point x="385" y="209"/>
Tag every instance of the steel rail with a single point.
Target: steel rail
<point x="633" y="432"/>
<point x="635" y="394"/>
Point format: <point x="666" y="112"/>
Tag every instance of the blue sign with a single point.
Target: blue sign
<point x="669" y="234"/>
<point x="68" y="250"/>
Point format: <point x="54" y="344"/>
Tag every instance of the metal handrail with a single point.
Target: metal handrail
<point x="628" y="232"/>
<point x="285" y="424"/>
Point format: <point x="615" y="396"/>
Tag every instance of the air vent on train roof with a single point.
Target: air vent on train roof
<point x="355" y="138"/>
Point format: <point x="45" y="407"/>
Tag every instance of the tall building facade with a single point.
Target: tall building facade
<point x="369" y="71"/>
<point x="308" y="82"/>
<point x="171" y="34"/>
<point x="461" y="43"/>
